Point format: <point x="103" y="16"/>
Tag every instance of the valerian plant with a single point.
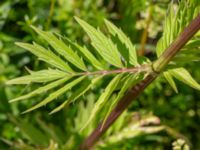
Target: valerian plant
<point x="113" y="55"/>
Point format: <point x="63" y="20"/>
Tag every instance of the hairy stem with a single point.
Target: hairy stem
<point x="157" y="67"/>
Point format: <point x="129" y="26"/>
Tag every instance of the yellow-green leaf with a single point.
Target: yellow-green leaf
<point x="42" y="89"/>
<point x="61" y="48"/>
<point x="79" y="92"/>
<point x="41" y="76"/>
<point x="46" y="55"/>
<point x="169" y="78"/>
<point x="104" y="97"/>
<point x="103" y="45"/>
<point x="55" y="94"/>
<point x="184" y="76"/>
<point x="125" y="40"/>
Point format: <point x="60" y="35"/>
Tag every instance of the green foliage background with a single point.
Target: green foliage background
<point x="167" y="115"/>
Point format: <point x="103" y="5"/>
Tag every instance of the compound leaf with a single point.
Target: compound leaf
<point x="184" y="76"/>
<point x="104" y="46"/>
<point x="61" y="48"/>
<point x="55" y="94"/>
<point x="42" y="89"/>
<point x="46" y="56"/>
<point x="104" y="97"/>
<point x="39" y="77"/>
<point x="125" y="40"/>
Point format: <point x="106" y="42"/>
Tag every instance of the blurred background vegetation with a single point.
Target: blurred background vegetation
<point x="153" y="122"/>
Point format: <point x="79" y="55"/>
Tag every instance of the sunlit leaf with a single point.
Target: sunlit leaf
<point x="104" y="97"/>
<point x="176" y="20"/>
<point x="184" y="76"/>
<point x="88" y="55"/>
<point x="125" y="40"/>
<point x="130" y="80"/>
<point x="169" y="78"/>
<point x="39" y="77"/>
<point x="55" y="94"/>
<point x="76" y="94"/>
<point x="41" y="89"/>
<point x="46" y="55"/>
<point x="105" y="47"/>
<point x="61" y="48"/>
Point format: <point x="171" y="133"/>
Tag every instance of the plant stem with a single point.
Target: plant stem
<point x="139" y="69"/>
<point x="50" y="14"/>
<point x="157" y="67"/>
<point x="117" y="111"/>
<point x="144" y="37"/>
<point x="176" y="46"/>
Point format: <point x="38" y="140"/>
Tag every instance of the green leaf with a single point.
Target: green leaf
<point x="169" y="78"/>
<point x="184" y="76"/>
<point x="176" y="20"/>
<point x="34" y="134"/>
<point x="41" y="89"/>
<point x="125" y="40"/>
<point x="193" y="44"/>
<point x="53" y="131"/>
<point x="130" y="80"/>
<point x="87" y="54"/>
<point x="76" y="94"/>
<point x="55" y="94"/>
<point x="104" y="46"/>
<point x="61" y="48"/>
<point x="39" y="77"/>
<point x="46" y="56"/>
<point x="104" y="97"/>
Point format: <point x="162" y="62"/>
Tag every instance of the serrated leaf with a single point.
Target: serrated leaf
<point x="176" y="20"/>
<point x="41" y="89"/>
<point x="169" y="78"/>
<point x="61" y="48"/>
<point x="79" y="92"/>
<point x="55" y="94"/>
<point x="128" y="82"/>
<point x="184" y="76"/>
<point x="125" y="40"/>
<point x="46" y="56"/>
<point x="103" y="45"/>
<point x="180" y="59"/>
<point x="87" y="54"/>
<point x="39" y="77"/>
<point x="104" y="97"/>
